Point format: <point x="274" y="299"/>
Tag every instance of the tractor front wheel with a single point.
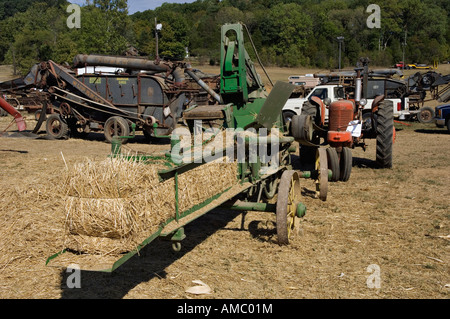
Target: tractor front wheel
<point x="333" y="163"/>
<point x="346" y="162"/>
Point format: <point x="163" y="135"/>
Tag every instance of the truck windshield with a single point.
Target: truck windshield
<point x="339" y="92"/>
<point x="320" y="93"/>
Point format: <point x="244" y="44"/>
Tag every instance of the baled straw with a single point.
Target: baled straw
<point x="113" y="205"/>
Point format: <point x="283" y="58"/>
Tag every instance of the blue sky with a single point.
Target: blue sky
<point x="140" y="5"/>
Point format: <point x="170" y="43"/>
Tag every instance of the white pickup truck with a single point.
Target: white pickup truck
<point x="335" y="92"/>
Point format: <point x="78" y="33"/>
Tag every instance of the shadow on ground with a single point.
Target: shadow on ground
<point x="151" y="263"/>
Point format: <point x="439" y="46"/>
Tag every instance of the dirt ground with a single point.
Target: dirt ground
<point x="394" y="220"/>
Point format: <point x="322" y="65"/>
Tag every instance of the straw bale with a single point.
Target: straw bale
<point x="113" y="205"/>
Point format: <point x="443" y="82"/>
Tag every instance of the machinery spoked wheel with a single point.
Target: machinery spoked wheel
<point x="289" y="193"/>
<point x="321" y="167"/>
<point x="116" y="125"/>
<point x="333" y="163"/>
<point x="56" y="127"/>
<point x="345" y="164"/>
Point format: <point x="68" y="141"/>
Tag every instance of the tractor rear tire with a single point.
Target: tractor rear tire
<point x="385" y="134"/>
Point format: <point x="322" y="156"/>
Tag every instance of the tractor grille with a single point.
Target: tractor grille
<point x="340" y="114"/>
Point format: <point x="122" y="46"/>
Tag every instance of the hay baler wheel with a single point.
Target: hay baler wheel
<point x="56" y="127"/>
<point x="116" y="125"/>
<point x="333" y="163"/>
<point x="321" y="167"/>
<point x="289" y="193"/>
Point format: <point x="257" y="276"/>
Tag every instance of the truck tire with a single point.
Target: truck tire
<point x="311" y="109"/>
<point x="385" y="134"/>
<point x="287" y="117"/>
<point x="116" y="125"/>
<point x="56" y="127"/>
<point x="287" y="120"/>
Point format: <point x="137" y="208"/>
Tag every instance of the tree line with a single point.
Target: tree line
<point x="286" y="33"/>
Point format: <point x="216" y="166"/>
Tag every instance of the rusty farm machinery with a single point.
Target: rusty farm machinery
<point x="149" y="94"/>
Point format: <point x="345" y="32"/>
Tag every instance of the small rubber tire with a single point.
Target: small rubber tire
<point x="426" y="115"/>
<point x="56" y="126"/>
<point x="116" y="123"/>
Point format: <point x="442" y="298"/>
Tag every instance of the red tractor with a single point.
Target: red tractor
<point x="349" y="124"/>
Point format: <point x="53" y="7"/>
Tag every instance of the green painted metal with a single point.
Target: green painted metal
<point x="301" y="210"/>
<point x="177" y="209"/>
<point x="179" y="235"/>
<point x="314" y="174"/>
<point x="270" y="114"/>
<point x="251" y="206"/>
<point x="116" y="145"/>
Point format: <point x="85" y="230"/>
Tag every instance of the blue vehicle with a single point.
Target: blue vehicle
<point x="442" y="117"/>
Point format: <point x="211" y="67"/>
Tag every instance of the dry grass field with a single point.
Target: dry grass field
<point x="397" y="219"/>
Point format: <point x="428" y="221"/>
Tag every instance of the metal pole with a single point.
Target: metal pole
<point x="340" y="39"/>
<point x="404" y="46"/>
<point x="156" y="37"/>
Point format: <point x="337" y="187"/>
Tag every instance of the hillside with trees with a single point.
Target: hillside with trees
<point x="286" y="33"/>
